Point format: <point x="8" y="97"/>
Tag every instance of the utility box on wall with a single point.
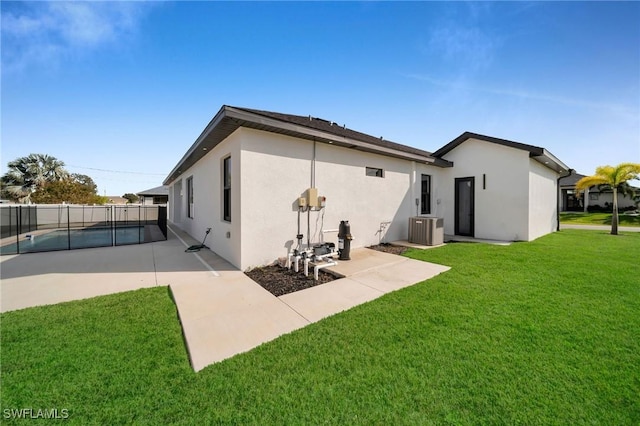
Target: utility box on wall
<point x="312" y="197"/>
<point x="428" y="231"/>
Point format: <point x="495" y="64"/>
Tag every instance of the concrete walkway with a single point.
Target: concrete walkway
<point x="222" y="311"/>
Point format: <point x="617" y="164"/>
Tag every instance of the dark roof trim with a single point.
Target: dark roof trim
<point x="537" y="153"/>
<point x="229" y="119"/>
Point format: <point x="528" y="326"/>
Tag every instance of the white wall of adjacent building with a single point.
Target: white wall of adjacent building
<point x="604" y="198"/>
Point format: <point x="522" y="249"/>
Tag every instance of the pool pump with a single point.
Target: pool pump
<point x="344" y="240"/>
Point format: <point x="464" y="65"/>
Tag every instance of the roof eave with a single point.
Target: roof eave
<point x="238" y="118"/>
<point x="196" y="152"/>
<point x="551" y="161"/>
<point x="296" y="130"/>
<point x="539" y="154"/>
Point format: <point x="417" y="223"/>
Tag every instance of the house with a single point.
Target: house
<point x="157" y="195"/>
<point x="595" y="199"/>
<point x="246" y="173"/>
<point x="116" y="199"/>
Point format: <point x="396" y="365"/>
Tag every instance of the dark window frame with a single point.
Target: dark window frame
<point x="226" y="189"/>
<point x="190" y="206"/>
<point x="374" y="172"/>
<point x="425" y="194"/>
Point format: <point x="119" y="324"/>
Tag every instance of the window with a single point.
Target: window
<point x="226" y="189"/>
<point x="425" y="195"/>
<point x="190" y="197"/>
<point x="372" y="171"/>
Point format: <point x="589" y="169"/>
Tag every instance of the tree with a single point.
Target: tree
<point x="615" y="178"/>
<point x="132" y="198"/>
<point x="27" y="174"/>
<point x="76" y="189"/>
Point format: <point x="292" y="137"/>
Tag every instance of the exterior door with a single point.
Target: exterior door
<point x="464" y="206"/>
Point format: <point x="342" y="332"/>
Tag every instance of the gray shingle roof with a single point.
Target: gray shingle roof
<point x="336" y="129"/>
<point x="571" y="179"/>
<point x="229" y="119"/>
<point x="158" y="190"/>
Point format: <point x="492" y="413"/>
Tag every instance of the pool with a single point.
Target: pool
<point x="63" y="239"/>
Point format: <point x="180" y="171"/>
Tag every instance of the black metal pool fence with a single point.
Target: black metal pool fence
<point x="24" y="227"/>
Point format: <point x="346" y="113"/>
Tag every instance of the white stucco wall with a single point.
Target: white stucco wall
<point x="502" y="208"/>
<point x="277" y="169"/>
<point x="607" y="197"/>
<point x="542" y="200"/>
<point x="207" y="192"/>
<point x="275" y="172"/>
<point x="271" y="171"/>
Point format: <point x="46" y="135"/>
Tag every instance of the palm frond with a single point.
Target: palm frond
<point x="589" y="181"/>
<point x="609" y="175"/>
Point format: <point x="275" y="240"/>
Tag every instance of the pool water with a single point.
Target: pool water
<point x="63" y="239"/>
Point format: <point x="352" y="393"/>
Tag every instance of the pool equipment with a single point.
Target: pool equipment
<point x="198" y="247"/>
<point x="344" y="240"/>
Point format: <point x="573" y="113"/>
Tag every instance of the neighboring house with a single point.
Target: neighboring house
<point x="157" y="195"/>
<point x="115" y="199"/>
<point x="245" y="173"/>
<point x="592" y="199"/>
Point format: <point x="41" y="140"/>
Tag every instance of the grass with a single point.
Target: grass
<point x="597" y="219"/>
<point x="533" y="333"/>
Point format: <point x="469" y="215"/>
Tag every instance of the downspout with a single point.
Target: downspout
<point x="313" y="166"/>
<point x="558" y="194"/>
<point x="313" y="185"/>
<point x="414" y="183"/>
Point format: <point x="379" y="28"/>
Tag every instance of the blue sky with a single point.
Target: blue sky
<point x="120" y="90"/>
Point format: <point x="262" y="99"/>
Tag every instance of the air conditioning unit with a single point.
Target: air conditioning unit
<point x="427" y="231"/>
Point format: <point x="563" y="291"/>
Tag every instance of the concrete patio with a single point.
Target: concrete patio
<point x="222" y="311"/>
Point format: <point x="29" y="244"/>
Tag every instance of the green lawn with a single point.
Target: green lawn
<point x="546" y="332"/>
<point x="597" y="219"/>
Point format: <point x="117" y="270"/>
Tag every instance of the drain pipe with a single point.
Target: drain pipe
<point x="570" y="171"/>
<point x="313" y="185"/>
<point x="313" y="166"/>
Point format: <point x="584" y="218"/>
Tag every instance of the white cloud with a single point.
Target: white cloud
<point x="464" y="45"/>
<point x="461" y="37"/>
<point x="628" y="112"/>
<point x="43" y="33"/>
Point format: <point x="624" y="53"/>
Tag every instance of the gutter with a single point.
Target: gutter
<point x="558" y="198"/>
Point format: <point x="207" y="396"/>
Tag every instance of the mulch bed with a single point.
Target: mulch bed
<point x="278" y="280"/>
<point x="388" y="248"/>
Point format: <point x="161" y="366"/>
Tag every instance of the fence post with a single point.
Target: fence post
<point x="68" y="228"/>
<point x="139" y="224"/>
<point x="112" y="213"/>
<point x="18" y="220"/>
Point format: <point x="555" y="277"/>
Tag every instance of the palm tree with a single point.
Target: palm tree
<point x="27" y="174"/>
<point x="615" y="178"/>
